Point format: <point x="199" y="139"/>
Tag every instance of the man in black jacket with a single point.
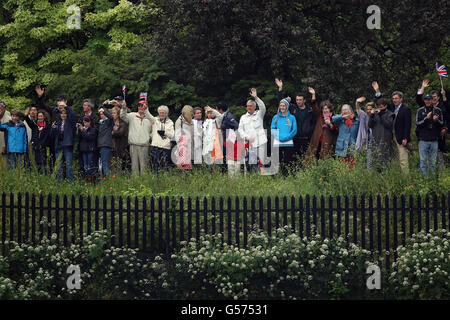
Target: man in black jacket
<point x="429" y="121"/>
<point x="445" y="113"/>
<point x="402" y="125"/>
<point x="228" y="123"/>
<point x="306" y="120"/>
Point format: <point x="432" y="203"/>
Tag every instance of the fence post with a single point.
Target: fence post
<point x="72" y="208"/>
<point x="293" y="214"/>
<point x="330" y="216"/>
<point x="3" y="222"/>
<point x="339" y="215"/>
<point x="49" y="216"/>
<point x="152" y="225"/>
<point x="221" y="226"/>
<point x="253" y="209"/>
<point x="166" y="200"/>
<point x="300" y="216"/>
<point x="66" y="221"/>
<point x="80" y="200"/>
<point x="213" y="215"/>
<point x="371" y="223"/>
<point x="435" y="212"/>
<point x="189" y="213"/>
<point x="322" y="217"/>
<point x="144" y="224"/>
<point x="128" y="222"/>
<point x="33" y="218"/>
<point x="96" y="210"/>
<point x="205" y="215"/>
<point x="285" y="222"/>
<point x="261" y="213"/>
<point x="314" y="214"/>
<point x="136" y="222"/>
<point x="237" y="221"/>
<point x="57" y="217"/>
<point x="277" y="213"/>
<point x="402" y="203"/>
<point x="386" y="217"/>
<point x="105" y="210"/>
<point x="444" y="222"/>
<point x="427" y="213"/>
<point x="27" y="216"/>
<point x="394" y="225"/>
<point x="181" y="219"/>
<point x="379" y="240"/>
<point x="19" y="218"/>
<point x="89" y="215"/>
<point x="244" y="212"/>
<point x="120" y="221"/>
<point x="113" y="221"/>
<point x="269" y="216"/>
<point x="307" y="217"/>
<point x="230" y="234"/>
<point x="419" y="214"/>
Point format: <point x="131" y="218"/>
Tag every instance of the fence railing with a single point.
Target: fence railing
<point x="158" y="225"/>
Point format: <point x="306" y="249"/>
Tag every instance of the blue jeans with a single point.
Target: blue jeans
<point x="105" y="153"/>
<point x="66" y="154"/>
<point x="15" y="159"/>
<point x="428" y="155"/>
<point x="88" y="163"/>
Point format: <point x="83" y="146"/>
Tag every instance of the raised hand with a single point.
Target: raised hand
<point x="27" y="111"/>
<point x="311" y="91"/>
<point x="425" y="83"/>
<point x="375" y="86"/>
<point x="208" y="109"/>
<point x="443" y="95"/>
<point x="361" y="99"/>
<point x="39" y="90"/>
<point x="279" y="83"/>
<point x="253" y="93"/>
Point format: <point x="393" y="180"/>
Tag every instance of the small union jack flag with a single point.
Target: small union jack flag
<point x="124" y="89"/>
<point x="143" y="96"/>
<point x="441" y="70"/>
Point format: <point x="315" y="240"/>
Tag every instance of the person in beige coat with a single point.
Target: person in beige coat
<point x="139" y="128"/>
<point x="5" y="116"/>
<point x="162" y="132"/>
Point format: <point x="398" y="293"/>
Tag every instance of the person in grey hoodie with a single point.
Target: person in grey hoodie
<point x="104" y="138"/>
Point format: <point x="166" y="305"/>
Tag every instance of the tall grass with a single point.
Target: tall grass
<point x="330" y="177"/>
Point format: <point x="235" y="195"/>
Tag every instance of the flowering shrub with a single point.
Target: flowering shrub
<point x="282" y="266"/>
<point x="422" y="268"/>
<point x="39" y="272"/>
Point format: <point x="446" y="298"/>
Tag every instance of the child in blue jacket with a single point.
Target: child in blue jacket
<point x="16" y="139"/>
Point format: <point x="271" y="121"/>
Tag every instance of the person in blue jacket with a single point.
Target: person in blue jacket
<point x="348" y="126"/>
<point x="16" y="139"/>
<point x="63" y="132"/>
<point x="284" y="129"/>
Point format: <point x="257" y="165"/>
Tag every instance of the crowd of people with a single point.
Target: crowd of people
<point x="113" y="138"/>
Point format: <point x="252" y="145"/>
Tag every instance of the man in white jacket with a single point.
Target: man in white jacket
<point x="139" y="129"/>
<point x="251" y="128"/>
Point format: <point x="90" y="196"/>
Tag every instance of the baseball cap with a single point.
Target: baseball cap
<point x="143" y="102"/>
<point x="428" y="97"/>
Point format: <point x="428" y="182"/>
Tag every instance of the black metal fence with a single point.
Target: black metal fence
<point x="157" y="225"/>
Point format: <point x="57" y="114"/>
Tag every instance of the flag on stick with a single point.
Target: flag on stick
<point x="143" y="96"/>
<point x="442" y="72"/>
<point x="124" y="88"/>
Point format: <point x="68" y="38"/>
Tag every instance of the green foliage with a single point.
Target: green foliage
<point x="423" y="266"/>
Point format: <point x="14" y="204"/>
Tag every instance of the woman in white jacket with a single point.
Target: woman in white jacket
<point x="251" y="129"/>
<point x="211" y="136"/>
<point x="162" y="132"/>
<point x="139" y="129"/>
